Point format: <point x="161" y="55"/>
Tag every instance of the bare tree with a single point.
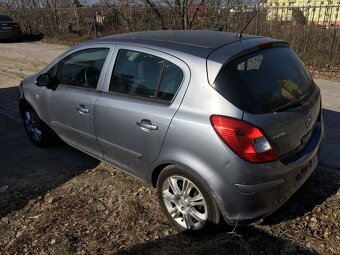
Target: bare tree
<point x="179" y="8"/>
<point x="32" y="4"/>
<point x="187" y="12"/>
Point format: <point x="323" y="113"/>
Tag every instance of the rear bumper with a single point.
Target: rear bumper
<point x="248" y="192"/>
<point x="9" y="34"/>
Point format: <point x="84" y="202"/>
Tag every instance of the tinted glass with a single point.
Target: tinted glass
<point x="5" y="18"/>
<point x="136" y="73"/>
<point x="82" y="68"/>
<point x="171" y="80"/>
<point x="264" y="81"/>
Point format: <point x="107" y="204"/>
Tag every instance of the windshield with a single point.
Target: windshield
<point x="265" y="80"/>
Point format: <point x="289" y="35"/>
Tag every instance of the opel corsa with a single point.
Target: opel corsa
<point x="224" y="126"/>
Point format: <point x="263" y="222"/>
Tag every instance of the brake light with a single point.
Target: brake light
<point x="244" y="138"/>
<point x="265" y="45"/>
<point x="16" y="25"/>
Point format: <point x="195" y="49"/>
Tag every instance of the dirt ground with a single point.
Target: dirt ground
<point x="61" y="201"/>
<point x="18" y="60"/>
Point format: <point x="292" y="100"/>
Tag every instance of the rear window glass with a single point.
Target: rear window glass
<point x="5" y="18"/>
<point x="263" y="81"/>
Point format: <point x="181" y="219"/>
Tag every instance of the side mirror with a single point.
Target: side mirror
<point x="45" y="80"/>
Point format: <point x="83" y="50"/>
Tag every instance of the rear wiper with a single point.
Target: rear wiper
<point x="291" y="104"/>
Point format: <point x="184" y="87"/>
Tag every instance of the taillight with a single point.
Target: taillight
<point x="244" y="138"/>
<point x="16" y="25"/>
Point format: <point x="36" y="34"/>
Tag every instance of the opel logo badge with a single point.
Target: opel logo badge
<point x="308" y="119"/>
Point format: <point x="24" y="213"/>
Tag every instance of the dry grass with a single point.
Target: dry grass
<point x="104" y="211"/>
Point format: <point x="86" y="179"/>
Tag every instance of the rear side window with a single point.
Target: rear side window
<point x="5" y="18"/>
<point x="171" y="80"/>
<point x="144" y="75"/>
<point x="263" y="81"/>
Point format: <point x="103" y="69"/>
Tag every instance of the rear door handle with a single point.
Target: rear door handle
<point x="146" y="125"/>
<point x="82" y="109"/>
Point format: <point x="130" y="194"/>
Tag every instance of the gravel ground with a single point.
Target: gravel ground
<point x="61" y="201"/>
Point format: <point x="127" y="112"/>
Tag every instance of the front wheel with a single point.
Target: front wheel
<point x="35" y="128"/>
<point x="186" y="202"/>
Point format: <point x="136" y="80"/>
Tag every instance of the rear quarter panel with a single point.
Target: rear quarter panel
<point x="191" y="141"/>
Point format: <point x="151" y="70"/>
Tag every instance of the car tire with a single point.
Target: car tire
<point x="38" y="132"/>
<point x="186" y="202"/>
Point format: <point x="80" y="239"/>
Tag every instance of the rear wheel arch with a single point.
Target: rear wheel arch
<point x="156" y="172"/>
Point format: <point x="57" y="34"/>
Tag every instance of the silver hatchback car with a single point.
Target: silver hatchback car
<point x="225" y="127"/>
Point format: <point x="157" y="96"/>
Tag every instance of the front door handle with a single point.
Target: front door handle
<point x="82" y="109"/>
<point x="146" y="125"/>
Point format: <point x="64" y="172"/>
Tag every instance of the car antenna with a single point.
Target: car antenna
<point x="239" y="35"/>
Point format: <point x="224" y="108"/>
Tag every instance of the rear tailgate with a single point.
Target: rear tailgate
<point x="271" y="85"/>
<point x="289" y="131"/>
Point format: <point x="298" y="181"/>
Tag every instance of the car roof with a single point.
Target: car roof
<point x="215" y="47"/>
<point x="197" y="38"/>
<point x="195" y="42"/>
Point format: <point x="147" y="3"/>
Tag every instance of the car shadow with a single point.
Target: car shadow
<point x="330" y="151"/>
<point x="321" y="184"/>
<point x="27" y="171"/>
<point x="245" y="240"/>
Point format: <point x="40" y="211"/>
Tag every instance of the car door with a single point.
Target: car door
<point x="70" y="107"/>
<point x="144" y="90"/>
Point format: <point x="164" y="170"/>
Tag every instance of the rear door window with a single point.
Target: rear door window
<point x="264" y="81"/>
<point x="144" y="75"/>
<point x="136" y="73"/>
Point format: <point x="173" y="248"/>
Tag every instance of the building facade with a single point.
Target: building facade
<point x="310" y="12"/>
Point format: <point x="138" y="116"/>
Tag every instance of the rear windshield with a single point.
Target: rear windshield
<point x="5" y="18"/>
<point x="264" y="81"/>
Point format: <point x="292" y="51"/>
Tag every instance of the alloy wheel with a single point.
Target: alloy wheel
<point x="184" y="202"/>
<point x="33" y="125"/>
